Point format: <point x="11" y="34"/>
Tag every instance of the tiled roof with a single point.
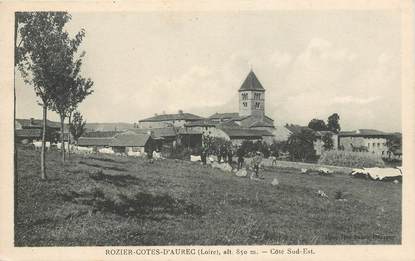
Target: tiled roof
<point x="89" y="141"/>
<point x="226" y="115"/>
<point x="129" y="140"/>
<point x="244" y="132"/>
<point x="28" y="133"/>
<point x="260" y="124"/>
<point x="364" y="133"/>
<point x="36" y="123"/>
<point x="157" y="132"/>
<point x="251" y="83"/>
<point x="168" y="117"/>
<point x="250" y="120"/>
<point x="124" y="139"/>
<point x="201" y="123"/>
<point x="100" y="134"/>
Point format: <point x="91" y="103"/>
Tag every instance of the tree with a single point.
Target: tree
<point x="72" y="88"/>
<point x="328" y="141"/>
<point x="333" y="123"/>
<point x="77" y="126"/>
<point x="394" y="144"/>
<point x="317" y="125"/>
<point x="300" y="145"/>
<point x="40" y="39"/>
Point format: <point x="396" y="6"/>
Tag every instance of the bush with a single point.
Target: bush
<point x="351" y="159"/>
<point x="181" y="152"/>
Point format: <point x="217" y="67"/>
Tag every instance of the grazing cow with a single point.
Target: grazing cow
<point x="79" y="149"/>
<point x="106" y="151"/>
<point x="134" y="153"/>
<point x="38" y="145"/>
<point x="195" y="158"/>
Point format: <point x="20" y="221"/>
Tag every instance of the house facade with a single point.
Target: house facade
<point x="120" y="142"/>
<point x="168" y="120"/>
<point x="28" y="130"/>
<point x="370" y="140"/>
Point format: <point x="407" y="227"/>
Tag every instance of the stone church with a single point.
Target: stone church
<point x="251" y="107"/>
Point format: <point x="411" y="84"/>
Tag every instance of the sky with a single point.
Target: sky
<point x="312" y="63"/>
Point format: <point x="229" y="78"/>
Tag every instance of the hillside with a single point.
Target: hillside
<point x="100" y="200"/>
<point x="110" y="126"/>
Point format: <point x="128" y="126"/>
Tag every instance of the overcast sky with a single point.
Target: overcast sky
<point x="311" y="63"/>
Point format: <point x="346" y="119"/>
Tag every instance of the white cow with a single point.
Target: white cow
<point x="79" y="149"/>
<point x="59" y="145"/>
<point x="195" y="158"/>
<point x="38" y="145"/>
<point x="134" y="153"/>
<point x="106" y="151"/>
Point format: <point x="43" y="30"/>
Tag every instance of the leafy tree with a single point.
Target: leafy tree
<point x="300" y="145"/>
<point x="328" y="141"/>
<point x="333" y="123"/>
<point x="36" y="56"/>
<point x="77" y="126"/>
<point x="317" y="125"/>
<point x="394" y="144"/>
<point x="73" y="88"/>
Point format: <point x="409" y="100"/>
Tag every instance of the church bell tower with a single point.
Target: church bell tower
<point x="252" y="97"/>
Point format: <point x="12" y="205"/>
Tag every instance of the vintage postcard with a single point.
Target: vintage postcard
<point x="207" y="130"/>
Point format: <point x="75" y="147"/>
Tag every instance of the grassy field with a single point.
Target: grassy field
<point x="108" y="200"/>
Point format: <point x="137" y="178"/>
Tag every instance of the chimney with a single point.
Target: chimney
<point x="180" y="111"/>
<point x="164" y="112"/>
<point x="32" y="121"/>
<point x="155" y="114"/>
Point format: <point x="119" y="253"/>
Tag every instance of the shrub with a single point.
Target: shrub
<point x="351" y="159"/>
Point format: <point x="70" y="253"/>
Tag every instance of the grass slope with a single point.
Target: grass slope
<point x="109" y="200"/>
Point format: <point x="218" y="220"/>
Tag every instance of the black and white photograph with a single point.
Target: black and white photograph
<point x="208" y="128"/>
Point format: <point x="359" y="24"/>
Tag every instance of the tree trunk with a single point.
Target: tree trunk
<point x="42" y="153"/>
<point x="69" y="134"/>
<point x="63" y="138"/>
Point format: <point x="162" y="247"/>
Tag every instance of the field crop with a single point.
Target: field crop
<point x="108" y="200"/>
<point x="351" y="159"/>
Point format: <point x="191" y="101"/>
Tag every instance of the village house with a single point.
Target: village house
<point x="28" y="130"/>
<point x="120" y="142"/>
<point x="250" y="123"/>
<point x="370" y="140"/>
<point x="168" y="120"/>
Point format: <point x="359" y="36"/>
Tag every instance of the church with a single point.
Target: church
<point x="250" y="123"/>
<point x="251" y="107"/>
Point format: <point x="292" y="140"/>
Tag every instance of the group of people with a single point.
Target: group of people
<point x="225" y="154"/>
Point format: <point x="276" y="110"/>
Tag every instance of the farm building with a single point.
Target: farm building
<point x="250" y="123"/>
<point x="121" y="142"/>
<point x="168" y="120"/>
<point x="28" y="130"/>
<point x="365" y="140"/>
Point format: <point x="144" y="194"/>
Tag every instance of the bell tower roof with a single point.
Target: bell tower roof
<point x="251" y="83"/>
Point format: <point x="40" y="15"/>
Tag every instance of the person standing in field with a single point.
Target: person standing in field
<point x="256" y="163"/>
<point x="203" y="155"/>
<point x="219" y="154"/>
<point x="240" y="155"/>
<point x="224" y="153"/>
<point x="230" y="155"/>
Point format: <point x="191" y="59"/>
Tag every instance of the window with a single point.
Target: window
<point x="257" y="105"/>
<point x="378" y="145"/>
<point x="244" y="96"/>
<point x="257" y="96"/>
<point x="245" y="104"/>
